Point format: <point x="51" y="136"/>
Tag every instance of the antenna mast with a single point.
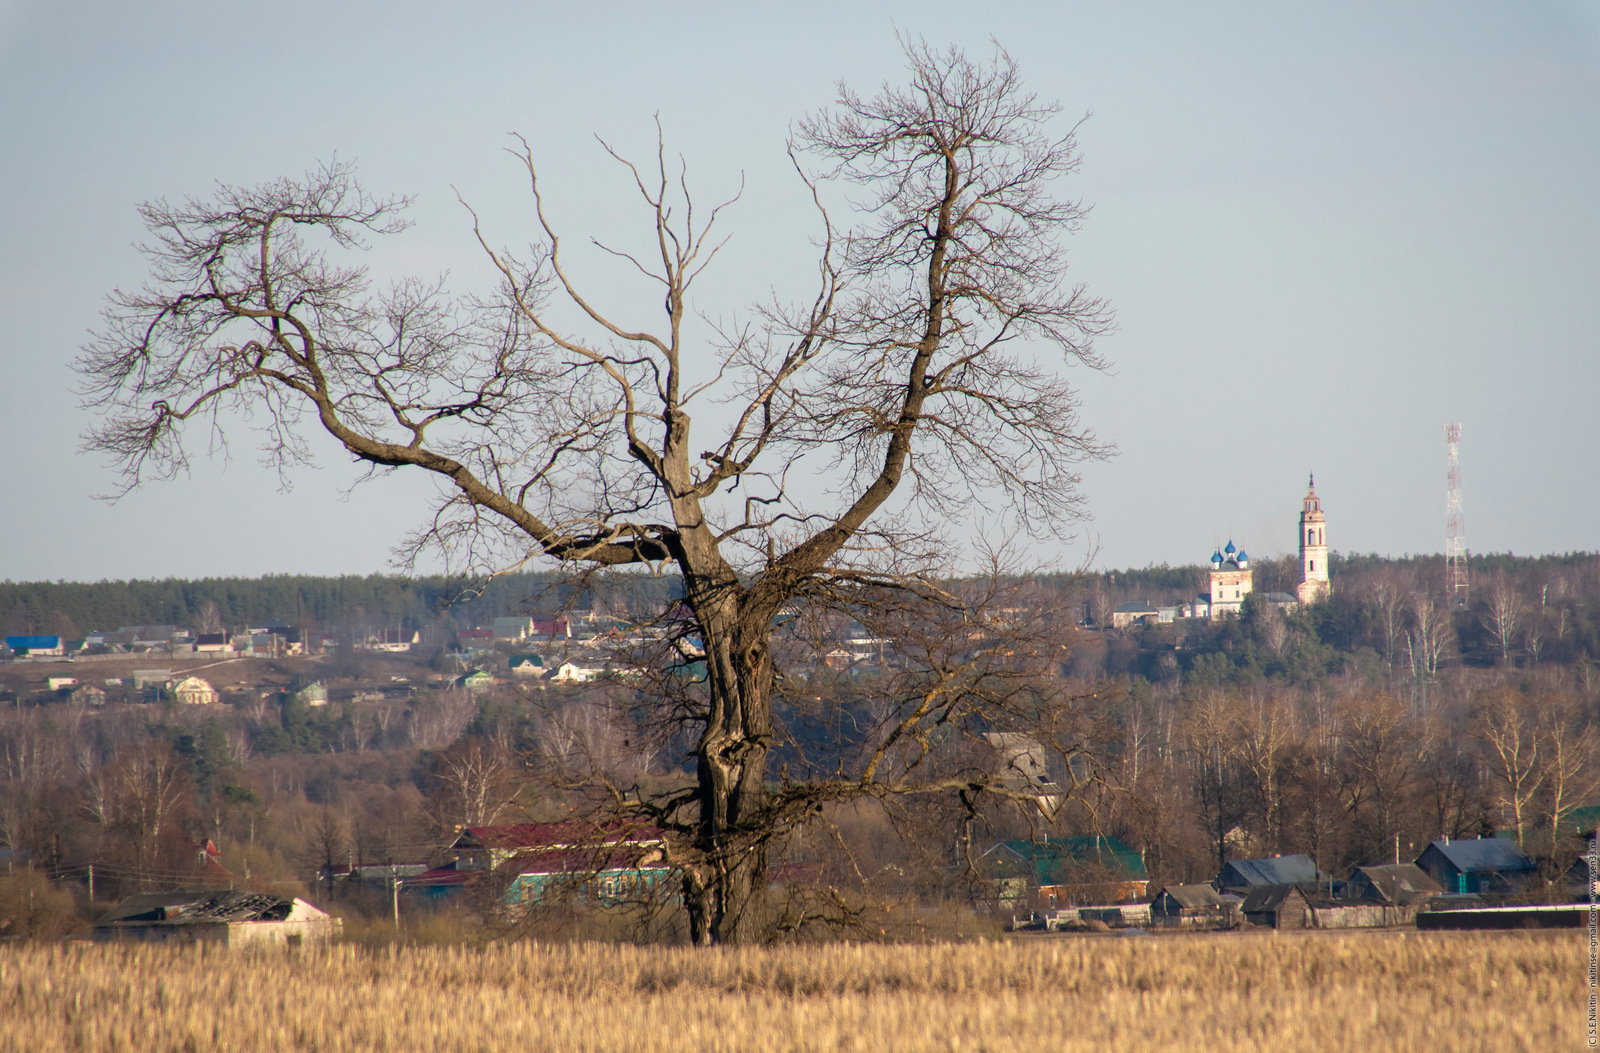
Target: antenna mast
<point x="1455" y="537"/>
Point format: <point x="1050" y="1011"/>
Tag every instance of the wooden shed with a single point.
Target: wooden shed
<point x="1193" y="905"/>
<point x="1278" y="907"/>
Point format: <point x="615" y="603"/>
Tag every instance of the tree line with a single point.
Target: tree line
<point x="330" y="603"/>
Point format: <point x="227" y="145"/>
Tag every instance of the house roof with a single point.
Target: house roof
<point x="203" y="906"/>
<point x="1061" y="860"/>
<point x="1139" y="607"/>
<point x="1273" y="870"/>
<point x="1192" y="895"/>
<point x="1396" y="883"/>
<point x="553" y="836"/>
<point x="33" y="643"/>
<point x="1482" y="855"/>
<point x="1269" y="897"/>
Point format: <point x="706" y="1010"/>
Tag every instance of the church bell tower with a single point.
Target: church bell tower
<point x="1314" y="584"/>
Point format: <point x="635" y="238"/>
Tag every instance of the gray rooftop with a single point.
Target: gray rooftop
<point x="1482" y="854"/>
<point x="1273" y="870"/>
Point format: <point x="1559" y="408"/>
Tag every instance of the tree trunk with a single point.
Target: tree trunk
<point x="725" y="890"/>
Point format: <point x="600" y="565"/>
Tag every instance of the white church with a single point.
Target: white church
<point x="1232" y="578"/>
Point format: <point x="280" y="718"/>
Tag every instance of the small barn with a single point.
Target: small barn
<point x="1244" y="875"/>
<point x="1197" y="905"/>
<point x="1494" y="865"/>
<point x="1278" y="907"/>
<point x="222" y="916"/>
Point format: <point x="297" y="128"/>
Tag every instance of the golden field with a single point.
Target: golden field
<point x="1252" y="991"/>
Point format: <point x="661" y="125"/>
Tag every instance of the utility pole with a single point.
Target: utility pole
<point x="1455" y="536"/>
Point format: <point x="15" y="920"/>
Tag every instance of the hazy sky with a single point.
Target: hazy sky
<point x="1326" y="229"/>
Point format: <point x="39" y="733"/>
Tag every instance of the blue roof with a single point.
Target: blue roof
<point x="1274" y="870"/>
<point x="1229" y="547"/>
<point x="1483" y="854"/>
<point x="32" y="643"/>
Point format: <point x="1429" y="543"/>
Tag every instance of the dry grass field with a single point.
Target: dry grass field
<point x="1330" y="991"/>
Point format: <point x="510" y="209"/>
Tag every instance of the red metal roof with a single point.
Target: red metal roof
<point x="557" y="836"/>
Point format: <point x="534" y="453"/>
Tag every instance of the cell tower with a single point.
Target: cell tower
<point x="1455" y="536"/>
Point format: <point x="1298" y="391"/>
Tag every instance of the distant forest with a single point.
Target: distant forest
<point x="72" y="609"/>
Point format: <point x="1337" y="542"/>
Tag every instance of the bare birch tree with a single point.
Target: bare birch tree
<point x="1502" y="616"/>
<point x="1508" y="727"/>
<point x="906" y="378"/>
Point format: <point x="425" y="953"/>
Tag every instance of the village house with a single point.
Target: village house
<point x="569" y="673"/>
<point x="1493" y="865"/>
<point x="479" y="681"/>
<point x="526" y="665"/>
<point x="1126" y="614"/>
<point x="1391" y="885"/>
<point x="36" y="646"/>
<point x="1062" y="872"/>
<point x="518" y="627"/>
<point x="193" y="691"/>
<point x="221" y="916"/>
<point x="1244" y="875"/>
<point x="394" y="641"/>
<point x="603" y="863"/>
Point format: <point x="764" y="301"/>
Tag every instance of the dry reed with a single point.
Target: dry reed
<point x="1212" y="992"/>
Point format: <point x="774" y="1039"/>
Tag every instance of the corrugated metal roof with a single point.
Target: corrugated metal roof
<point x="195" y="906"/>
<point x="1273" y="870"/>
<point x="556" y="835"/>
<point x="1192" y="895"/>
<point x="1396" y="883"/>
<point x="1269" y="897"/>
<point x="1483" y="854"/>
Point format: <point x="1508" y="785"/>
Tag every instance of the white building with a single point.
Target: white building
<point x="193" y="691"/>
<point x="1314" y="583"/>
<point x="1231" y="581"/>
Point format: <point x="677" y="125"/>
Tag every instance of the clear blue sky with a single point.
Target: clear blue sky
<point x="1327" y="229"/>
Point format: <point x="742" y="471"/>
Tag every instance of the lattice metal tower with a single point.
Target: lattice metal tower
<point x="1455" y="536"/>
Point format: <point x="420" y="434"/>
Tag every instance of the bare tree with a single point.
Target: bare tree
<point x="1507" y="725"/>
<point x="1502" y="615"/>
<point x="904" y="372"/>
<point x="477" y="784"/>
<point x="208" y="617"/>
<point x="1426" y="641"/>
<point x="1571" y="749"/>
<point x="1388" y="602"/>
